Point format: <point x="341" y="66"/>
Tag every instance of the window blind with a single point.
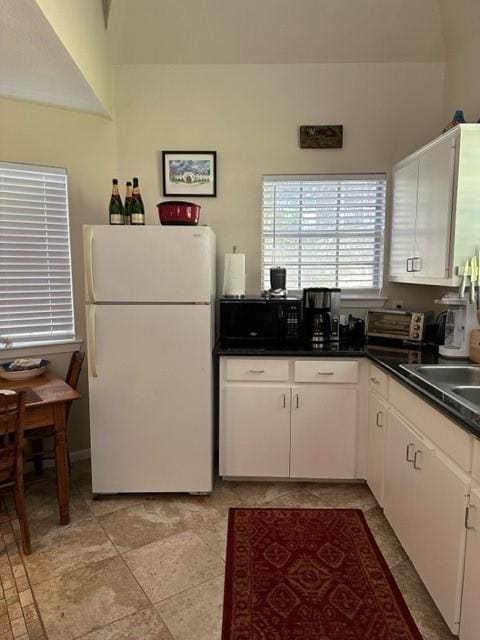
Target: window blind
<point x="327" y="230"/>
<point x="36" y="303"/>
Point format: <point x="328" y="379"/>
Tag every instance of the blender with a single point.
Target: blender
<point x="461" y="319"/>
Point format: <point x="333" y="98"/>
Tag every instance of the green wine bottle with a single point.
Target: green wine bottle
<point x="128" y="203"/>
<point x="115" y="210"/>
<point x="137" y="211"/>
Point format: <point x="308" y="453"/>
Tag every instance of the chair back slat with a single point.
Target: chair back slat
<point x="73" y="374"/>
<point x="12" y="414"/>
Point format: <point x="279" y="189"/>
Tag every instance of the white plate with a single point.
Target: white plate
<point x="22" y="375"/>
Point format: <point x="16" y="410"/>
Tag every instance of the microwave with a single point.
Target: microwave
<point x="255" y="319"/>
<point x="408" y="326"/>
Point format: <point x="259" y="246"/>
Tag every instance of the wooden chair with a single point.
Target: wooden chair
<point x="36" y="437"/>
<point x="12" y="415"/>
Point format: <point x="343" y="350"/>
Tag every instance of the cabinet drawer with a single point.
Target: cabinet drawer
<point x="476" y="459"/>
<point x="326" y="371"/>
<point x="257" y="369"/>
<point x="378" y="381"/>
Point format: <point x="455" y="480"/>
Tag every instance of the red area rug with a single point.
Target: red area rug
<point x="309" y="574"/>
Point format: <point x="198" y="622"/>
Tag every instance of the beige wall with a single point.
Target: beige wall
<point x="80" y="26"/>
<point x="84" y="144"/>
<point x="249" y="114"/>
<point x="461" y="20"/>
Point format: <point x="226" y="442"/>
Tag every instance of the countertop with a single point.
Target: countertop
<point x="387" y="358"/>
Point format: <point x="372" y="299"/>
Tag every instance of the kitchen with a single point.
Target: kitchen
<point x="392" y="96"/>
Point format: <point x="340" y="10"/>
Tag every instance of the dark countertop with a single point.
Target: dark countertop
<point x="388" y="359"/>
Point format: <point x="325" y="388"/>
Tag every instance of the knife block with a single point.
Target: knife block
<point x="474" y="353"/>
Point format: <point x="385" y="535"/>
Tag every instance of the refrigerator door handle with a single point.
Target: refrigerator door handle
<point x="92" y="341"/>
<point x="89" y="265"/>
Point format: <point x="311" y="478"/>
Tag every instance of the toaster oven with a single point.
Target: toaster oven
<point x="397" y="325"/>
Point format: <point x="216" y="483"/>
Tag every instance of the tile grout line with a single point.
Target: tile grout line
<point x="136" y="581"/>
<point x="27" y="577"/>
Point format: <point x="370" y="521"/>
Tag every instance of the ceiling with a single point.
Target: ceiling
<point x="275" y="31"/>
<point x="35" y="65"/>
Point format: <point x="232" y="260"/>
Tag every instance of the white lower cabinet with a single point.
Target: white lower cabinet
<point x="470" y="617"/>
<point x="256" y="433"/>
<point x="323" y="437"/>
<point x="439" y="534"/>
<point x="377" y="433"/>
<point x="305" y="428"/>
<point x="425" y="499"/>
<point x="399" y="482"/>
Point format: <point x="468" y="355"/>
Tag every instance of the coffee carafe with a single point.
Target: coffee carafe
<point x="321" y="314"/>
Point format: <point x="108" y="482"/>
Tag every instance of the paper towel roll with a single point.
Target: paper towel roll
<point x="234" y="275"/>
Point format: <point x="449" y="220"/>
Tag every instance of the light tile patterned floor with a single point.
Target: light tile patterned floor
<point x="152" y="567"/>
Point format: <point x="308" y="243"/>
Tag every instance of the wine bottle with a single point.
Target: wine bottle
<point x="128" y="203"/>
<point x="115" y="210"/>
<point x="137" y="211"/>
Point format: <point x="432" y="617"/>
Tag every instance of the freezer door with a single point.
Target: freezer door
<point x="150" y="383"/>
<point x="149" y="264"/>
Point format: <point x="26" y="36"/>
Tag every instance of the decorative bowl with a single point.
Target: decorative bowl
<point x="22" y="374"/>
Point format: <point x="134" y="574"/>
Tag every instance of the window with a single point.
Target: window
<point x="36" y="304"/>
<point x="327" y="230"/>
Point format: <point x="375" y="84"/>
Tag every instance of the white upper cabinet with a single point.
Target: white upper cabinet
<point x="405" y="185"/>
<point x="436" y="209"/>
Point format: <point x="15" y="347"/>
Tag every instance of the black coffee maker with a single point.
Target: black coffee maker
<point x="321" y="314"/>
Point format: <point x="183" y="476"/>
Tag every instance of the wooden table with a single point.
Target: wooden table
<point x="45" y="410"/>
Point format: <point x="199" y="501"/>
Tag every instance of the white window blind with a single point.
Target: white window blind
<point x="327" y="230"/>
<point x="35" y="268"/>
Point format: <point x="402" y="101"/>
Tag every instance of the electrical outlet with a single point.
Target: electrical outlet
<point x="397" y="304"/>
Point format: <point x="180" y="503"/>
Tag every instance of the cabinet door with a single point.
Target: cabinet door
<point x="399" y="483"/>
<point x="324" y="425"/>
<point x="438" y="551"/>
<point x="434" y="211"/>
<point x="404" y="211"/>
<point x="470" y="615"/>
<point x="255" y="431"/>
<point x="377" y="425"/>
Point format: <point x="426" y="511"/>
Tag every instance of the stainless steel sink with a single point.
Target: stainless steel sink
<point x="458" y="381"/>
<point x="450" y="374"/>
<point x="472" y="394"/>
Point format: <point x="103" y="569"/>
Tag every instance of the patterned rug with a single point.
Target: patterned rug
<point x="309" y="574"/>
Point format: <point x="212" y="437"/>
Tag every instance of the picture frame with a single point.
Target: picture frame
<point x="189" y="173"/>
<point x="321" y="136"/>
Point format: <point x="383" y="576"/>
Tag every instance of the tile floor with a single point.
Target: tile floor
<point x="152" y="567"/>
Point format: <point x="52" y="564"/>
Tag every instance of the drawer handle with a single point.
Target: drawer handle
<point x="375" y="381"/>
<point x="468" y="525"/>
<point x="325" y="373"/>
<point x="256" y="371"/>
<point x="407" y="455"/>
<point x="379" y="416"/>
<point x="415" y="465"/>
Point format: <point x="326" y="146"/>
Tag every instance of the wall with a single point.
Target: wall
<point x="84" y="144"/>
<point x="80" y="26"/>
<point x="250" y="113"/>
<point x="461" y="22"/>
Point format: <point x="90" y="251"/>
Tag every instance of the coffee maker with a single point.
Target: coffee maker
<point x="321" y="315"/>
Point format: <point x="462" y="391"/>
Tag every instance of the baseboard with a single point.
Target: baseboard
<point x="81" y="454"/>
<point x="75" y="456"/>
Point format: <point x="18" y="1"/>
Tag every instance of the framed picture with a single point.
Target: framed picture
<point x="190" y="173"/>
<point x="321" y="136"/>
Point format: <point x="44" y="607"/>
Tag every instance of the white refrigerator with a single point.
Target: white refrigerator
<point x="149" y="309"/>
